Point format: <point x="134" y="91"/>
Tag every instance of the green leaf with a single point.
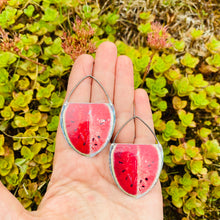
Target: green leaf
<point x="183" y="87"/>
<point x="162" y="105"/>
<point x="178" y="103"/>
<point x="52" y="126"/>
<point x="29" y="139"/>
<point x="187" y="182"/>
<point x="217" y="90"/>
<point x="45" y="92"/>
<point x="53" y="49"/>
<point x="41" y="158"/>
<point x="178" y="202"/>
<point x="196" y="34"/>
<point x="33" y="172"/>
<point x="20" y="121"/>
<point x="200" y="211"/>
<point x="145" y="28"/>
<point x="2" y="140"/>
<point x="35" y="148"/>
<point x="56" y="101"/>
<point x="203" y="190"/>
<point x="216" y="192"/>
<point x="7" y="113"/>
<point x="171" y="132"/>
<point x="87" y="11"/>
<point x="7" y="58"/>
<point x="51" y="148"/>
<point x="137" y="80"/>
<point x="186" y="118"/>
<point x="50" y="14"/>
<point x="23" y="83"/>
<point x="28" y="39"/>
<point x="215" y="178"/>
<point x="178" y="45"/>
<point x="173" y="74"/>
<point x="204" y="132"/>
<point x="14" y="78"/>
<point x="213" y="45"/>
<point x="212" y="149"/>
<point x="113" y="18"/>
<point x="3" y="76"/>
<point x="197" y="80"/>
<point x="41" y="27"/>
<point x="26" y="153"/>
<point x="189" y="61"/>
<point x="12" y="179"/>
<point x="29" y="10"/>
<point x="5" y="166"/>
<point x="163" y="64"/>
<point x="17" y="145"/>
<point x="191" y="150"/>
<point x="198" y="100"/>
<point x="21" y="163"/>
<point x="21" y="101"/>
<point x="65" y="60"/>
<point x="145" y="15"/>
<point x="156" y="86"/>
<point x="7" y="17"/>
<point x="196" y="166"/>
<point x="33" y="118"/>
<point x="178" y="153"/>
<point x="140" y="64"/>
<point x="214" y="60"/>
<point x="2" y="101"/>
<point x="192" y="203"/>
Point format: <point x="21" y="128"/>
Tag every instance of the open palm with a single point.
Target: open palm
<point x="81" y="187"/>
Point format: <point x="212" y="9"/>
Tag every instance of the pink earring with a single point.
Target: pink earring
<point x="135" y="167"/>
<point x="87" y="127"/>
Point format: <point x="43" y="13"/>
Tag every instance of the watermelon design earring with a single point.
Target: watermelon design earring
<point x="87" y="127"/>
<point x="136" y="167"/>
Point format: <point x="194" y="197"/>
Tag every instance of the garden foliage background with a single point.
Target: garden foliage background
<point x="178" y="65"/>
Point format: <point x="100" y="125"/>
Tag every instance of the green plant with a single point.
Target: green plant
<point x="39" y="42"/>
<point x="157" y="90"/>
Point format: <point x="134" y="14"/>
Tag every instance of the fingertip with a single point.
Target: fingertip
<point x="104" y="71"/>
<point x="82" y="67"/>
<point x="125" y="67"/>
<point x="84" y="63"/>
<point x="125" y="60"/>
<point x="108" y="46"/>
<point x="141" y="95"/>
<point x="143" y="110"/>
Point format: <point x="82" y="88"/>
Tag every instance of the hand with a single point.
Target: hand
<point x="83" y="188"/>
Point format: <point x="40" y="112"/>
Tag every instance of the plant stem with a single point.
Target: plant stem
<point x="33" y="61"/>
<point x="148" y="67"/>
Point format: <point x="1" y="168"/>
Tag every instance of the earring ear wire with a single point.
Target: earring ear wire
<point x="135" y="168"/>
<point x="87" y="127"/>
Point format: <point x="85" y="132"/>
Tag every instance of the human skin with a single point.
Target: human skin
<point x="83" y="188"/>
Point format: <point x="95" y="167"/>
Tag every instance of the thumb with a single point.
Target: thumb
<point x="10" y="207"/>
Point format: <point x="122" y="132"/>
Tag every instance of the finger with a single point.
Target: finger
<point x="10" y="207"/>
<point x="104" y="72"/>
<point x="82" y="67"/>
<point x="143" y="110"/>
<point x="124" y="99"/>
<point x="153" y="199"/>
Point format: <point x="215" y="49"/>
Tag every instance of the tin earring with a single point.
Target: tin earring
<point x="135" y="167"/>
<point x="87" y="127"/>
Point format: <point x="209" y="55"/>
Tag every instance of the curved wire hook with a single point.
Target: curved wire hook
<point x="88" y="76"/>
<point x="134" y="117"/>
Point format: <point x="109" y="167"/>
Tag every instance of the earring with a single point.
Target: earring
<point x="87" y="127"/>
<point x="136" y="167"/>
